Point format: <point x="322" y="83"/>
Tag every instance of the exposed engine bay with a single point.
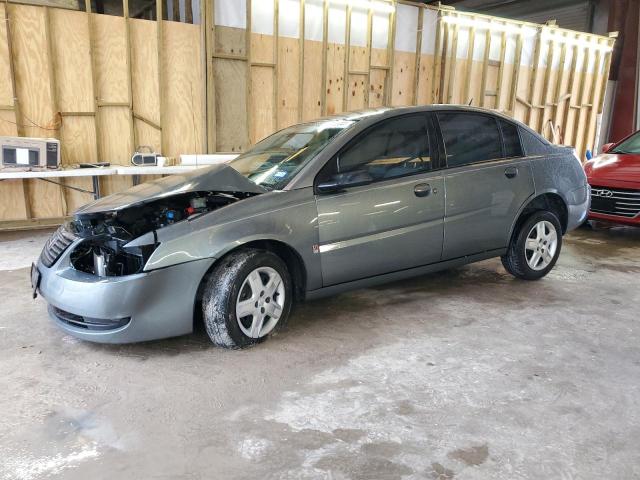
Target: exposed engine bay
<point x="106" y="234"/>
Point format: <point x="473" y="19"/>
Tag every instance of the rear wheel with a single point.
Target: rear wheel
<point x="535" y="247"/>
<point x="246" y="298"/>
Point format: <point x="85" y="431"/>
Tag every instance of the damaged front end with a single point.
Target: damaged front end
<point x="109" y="226"/>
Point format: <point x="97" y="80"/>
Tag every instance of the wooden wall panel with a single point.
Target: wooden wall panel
<point x="312" y="89"/>
<point x="335" y="77"/>
<point x="261" y="103"/>
<point x="34" y="89"/>
<point x="182" y="91"/>
<point x="6" y="90"/>
<point x="377" y="88"/>
<point x="403" y="79"/>
<point x="144" y="82"/>
<point x="288" y="75"/>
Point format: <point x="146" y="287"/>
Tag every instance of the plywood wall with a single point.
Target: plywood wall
<point x="105" y="84"/>
<point x="93" y="81"/>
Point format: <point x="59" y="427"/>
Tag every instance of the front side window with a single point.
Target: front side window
<point x="394" y="148"/>
<point x="469" y="138"/>
<point x="274" y="161"/>
<point x="630" y="145"/>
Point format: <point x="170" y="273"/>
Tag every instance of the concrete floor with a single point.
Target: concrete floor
<point x="466" y="373"/>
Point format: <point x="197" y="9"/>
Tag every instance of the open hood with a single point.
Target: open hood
<point x="219" y="178"/>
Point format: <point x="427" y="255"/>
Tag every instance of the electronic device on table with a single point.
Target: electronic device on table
<point x="143" y="159"/>
<point x="29" y="153"/>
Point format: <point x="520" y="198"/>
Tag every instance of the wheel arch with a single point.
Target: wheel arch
<point x="289" y="255"/>
<point x="549" y="201"/>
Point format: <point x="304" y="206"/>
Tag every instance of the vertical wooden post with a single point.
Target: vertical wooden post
<point x="16" y="106"/>
<point x="53" y="90"/>
<point x="391" y="58"/>
<point x="160" y="39"/>
<point x="515" y="75"/>
<point x="503" y="51"/>
<point x="301" y="32"/>
<point x="210" y="46"/>
<point x="416" y="77"/>
<point x="248" y="76"/>
<point x="544" y="97"/>
<point x="347" y="59"/>
<point x="467" y="73"/>
<point x="452" y="64"/>
<point x="204" y="65"/>
<point x="534" y="75"/>
<point x="276" y="68"/>
<point x="485" y="66"/>
<point x="437" y="54"/>
<point x="367" y="92"/>
<point x="558" y="90"/>
<point x="325" y="47"/>
<point x="127" y="31"/>
<point x="443" y="63"/>
<point x="571" y="98"/>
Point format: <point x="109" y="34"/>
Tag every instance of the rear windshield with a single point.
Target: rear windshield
<point x="274" y="161"/>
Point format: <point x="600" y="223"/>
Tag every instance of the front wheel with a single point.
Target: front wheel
<point x="535" y="247"/>
<point x="246" y="298"/>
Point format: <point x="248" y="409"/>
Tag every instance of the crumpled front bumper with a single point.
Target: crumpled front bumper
<point x="151" y="305"/>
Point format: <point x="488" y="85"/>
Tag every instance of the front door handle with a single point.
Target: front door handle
<point x="422" y="190"/>
<point x="511" y="172"/>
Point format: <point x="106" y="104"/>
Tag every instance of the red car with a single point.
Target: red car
<point x="614" y="176"/>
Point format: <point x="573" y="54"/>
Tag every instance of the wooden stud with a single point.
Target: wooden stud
<point x="17" y="111"/>
<point x="203" y="62"/>
<point x="127" y="32"/>
<point x="544" y="97"/>
<point x="453" y="61"/>
<point x="534" y="73"/>
<point x="501" y="68"/>
<point x="230" y="56"/>
<point x="210" y="48"/>
<point x="163" y="106"/>
<point x="485" y="65"/>
<point x="576" y="131"/>
<point x="591" y="116"/>
<point x="367" y="91"/>
<point x="567" y="110"/>
<point x="53" y="89"/>
<point x="416" y="73"/>
<point x="325" y="47"/>
<point x="443" y="63"/>
<point x="301" y="61"/>
<point x="391" y="58"/>
<point x="347" y="59"/>
<point x="558" y="90"/>
<point x="248" y="77"/>
<point x="276" y="68"/>
<point x="467" y="74"/>
<point x="436" y="71"/>
<point x="515" y="76"/>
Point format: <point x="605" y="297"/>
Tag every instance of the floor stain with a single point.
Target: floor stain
<point x="476" y="455"/>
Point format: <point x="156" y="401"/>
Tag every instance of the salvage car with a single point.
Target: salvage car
<point x="614" y="177"/>
<point x="315" y="209"/>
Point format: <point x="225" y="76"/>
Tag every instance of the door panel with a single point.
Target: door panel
<point x="482" y="202"/>
<point x="385" y="227"/>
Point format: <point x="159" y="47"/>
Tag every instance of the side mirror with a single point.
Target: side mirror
<point x="340" y="181"/>
<point x="606" y="147"/>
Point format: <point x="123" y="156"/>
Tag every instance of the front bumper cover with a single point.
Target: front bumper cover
<point x="158" y="304"/>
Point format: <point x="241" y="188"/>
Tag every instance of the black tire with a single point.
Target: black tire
<point x="221" y="292"/>
<point x="515" y="261"/>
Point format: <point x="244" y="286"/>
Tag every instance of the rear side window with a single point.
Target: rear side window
<point x="533" y="144"/>
<point x="469" y="138"/>
<point x="511" y="139"/>
<point x="394" y="148"/>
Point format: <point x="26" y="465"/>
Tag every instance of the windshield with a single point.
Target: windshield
<point x="274" y="161"/>
<point x="630" y="145"/>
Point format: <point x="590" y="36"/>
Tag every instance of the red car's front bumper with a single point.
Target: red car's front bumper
<point x="615" y="201"/>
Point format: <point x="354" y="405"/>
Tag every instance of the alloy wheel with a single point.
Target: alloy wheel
<point x="541" y="245"/>
<point x="260" y="302"/>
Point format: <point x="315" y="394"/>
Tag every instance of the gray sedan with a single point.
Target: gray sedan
<point x="315" y="209"/>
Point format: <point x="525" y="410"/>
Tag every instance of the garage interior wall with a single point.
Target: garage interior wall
<point x="104" y="84"/>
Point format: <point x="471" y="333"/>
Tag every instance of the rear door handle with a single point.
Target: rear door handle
<point x="511" y="172"/>
<point x="422" y="190"/>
